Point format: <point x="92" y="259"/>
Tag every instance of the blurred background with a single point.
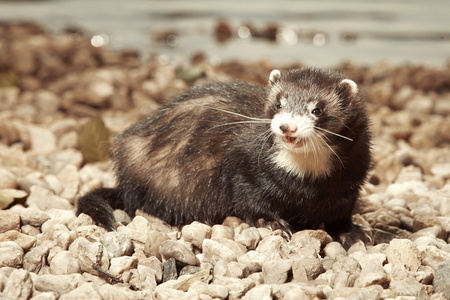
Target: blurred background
<point x="321" y="33"/>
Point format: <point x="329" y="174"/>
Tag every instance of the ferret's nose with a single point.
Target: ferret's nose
<point x="287" y="129"/>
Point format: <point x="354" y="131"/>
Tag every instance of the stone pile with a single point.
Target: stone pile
<point x="51" y="84"/>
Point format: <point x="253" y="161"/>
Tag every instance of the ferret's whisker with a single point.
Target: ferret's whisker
<point x="331" y="149"/>
<point x="265" y="136"/>
<point x="237" y="122"/>
<point x="334" y="133"/>
<point x="236" y="114"/>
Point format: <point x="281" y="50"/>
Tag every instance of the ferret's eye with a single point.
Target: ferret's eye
<point x="317" y="112"/>
<point x="278" y="106"/>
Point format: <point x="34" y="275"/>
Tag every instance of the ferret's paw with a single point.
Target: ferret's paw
<point x="355" y="234"/>
<point x="275" y="225"/>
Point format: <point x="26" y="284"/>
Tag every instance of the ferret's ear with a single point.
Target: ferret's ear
<point x="274" y="77"/>
<point x="348" y="88"/>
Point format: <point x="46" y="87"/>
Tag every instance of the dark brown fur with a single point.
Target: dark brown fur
<point x="190" y="162"/>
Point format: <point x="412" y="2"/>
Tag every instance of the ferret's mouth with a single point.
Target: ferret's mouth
<point x="293" y="142"/>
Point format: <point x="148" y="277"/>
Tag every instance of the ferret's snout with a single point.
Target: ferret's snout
<point x="286" y="129"/>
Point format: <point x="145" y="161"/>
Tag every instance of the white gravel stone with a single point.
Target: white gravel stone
<point x="64" y="263"/>
<point x="44" y="199"/>
<point x="249" y="237"/>
<point x="403" y="252"/>
<point x="275" y="246"/>
<point x="11" y="255"/>
<point x="23" y="240"/>
<point x="90" y="255"/>
<point x="7" y="179"/>
<point x="178" y="251"/>
<point x="60" y="284"/>
<point x="119" y="265"/>
<point x="92" y="233"/>
<point x="276" y="271"/>
<point x="19" y="285"/>
<point x="84" y="291"/>
<point x="195" y="233"/>
<point x="118" y="244"/>
<point x="222" y="249"/>
<point x="9" y="221"/>
<point x="334" y="250"/>
<point x="221" y="231"/>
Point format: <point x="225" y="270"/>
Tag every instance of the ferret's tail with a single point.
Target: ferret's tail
<point x="99" y="204"/>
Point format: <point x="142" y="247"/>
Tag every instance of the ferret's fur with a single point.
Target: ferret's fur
<point x="293" y="155"/>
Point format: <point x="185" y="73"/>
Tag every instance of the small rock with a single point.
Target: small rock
<point x="88" y="253"/>
<point x="276" y="271"/>
<point x="19" y="285"/>
<point x="147" y="277"/>
<point x="60" y="284"/>
<point x="64" y="263"/>
<point x="58" y="216"/>
<point x="35" y="259"/>
<point x="118" y="244"/>
<point x="441" y="283"/>
<point x="237" y="288"/>
<point x="189" y="270"/>
<point x="92" y="233"/>
<point x="119" y="265"/>
<point x="43" y="141"/>
<point x="221" y="231"/>
<point x="237" y="270"/>
<point x="432" y="256"/>
<point x="33" y="216"/>
<point x="372" y="273"/>
<point x="212" y="290"/>
<point x="178" y="251"/>
<point x="311" y="265"/>
<point x="108" y="291"/>
<point x="195" y="233"/>
<point x="299" y="273"/>
<point x="403" y="251"/>
<point x="424" y="275"/>
<point x="249" y="237"/>
<point x="54" y="184"/>
<point x="413" y="186"/>
<point x="222" y="249"/>
<point x="155" y="264"/>
<point x="263" y="292"/>
<point x="138" y="229"/>
<point x="81" y="220"/>
<point x="334" y="250"/>
<point x="153" y="242"/>
<point x="30" y="230"/>
<point x="23" y="240"/>
<point x="408" y="287"/>
<point x="58" y="233"/>
<point x="69" y="178"/>
<point x="308" y="238"/>
<point x="169" y="270"/>
<point x="348" y="265"/>
<point x="274" y="245"/>
<point x="253" y="260"/>
<point x="9" y="221"/>
<point x="43" y="199"/>
<point x="7" y="179"/>
<point x="86" y="290"/>
<point x="354" y="293"/>
<point x="11" y="255"/>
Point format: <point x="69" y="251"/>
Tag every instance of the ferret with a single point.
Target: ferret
<point x="292" y="155"/>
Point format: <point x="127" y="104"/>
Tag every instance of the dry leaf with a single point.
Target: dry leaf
<point x="93" y="139"/>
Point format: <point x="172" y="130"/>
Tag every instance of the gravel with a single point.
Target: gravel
<point x="51" y="84"/>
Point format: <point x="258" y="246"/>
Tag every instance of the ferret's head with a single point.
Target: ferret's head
<point x="309" y="108"/>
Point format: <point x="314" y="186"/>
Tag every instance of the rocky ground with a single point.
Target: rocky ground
<point x="51" y="86"/>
